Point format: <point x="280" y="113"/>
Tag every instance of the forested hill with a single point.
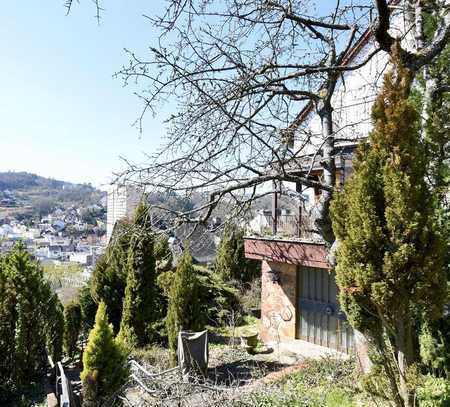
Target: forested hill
<point x="24" y="180"/>
<point x="20" y="190"/>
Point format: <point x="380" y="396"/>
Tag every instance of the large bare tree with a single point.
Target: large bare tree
<point x="241" y="71"/>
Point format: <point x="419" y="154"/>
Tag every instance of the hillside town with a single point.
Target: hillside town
<point x="74" y="234"/>
<point x="283" y="238"/>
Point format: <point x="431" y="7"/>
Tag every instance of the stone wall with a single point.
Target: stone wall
<point x="278" y="294"/>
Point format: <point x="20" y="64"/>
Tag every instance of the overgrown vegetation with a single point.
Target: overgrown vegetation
<point x="30" y="321"/>
<point x="391" y="252"/>
<point x="105" y="367"/>
<point x="184" y="309"/>
<point x="141" y="307"/>
<point x="325" y="382"/>
<point x="230" y="262"/>
<point x="72" y="327"/>
<point x="110" y="274"/>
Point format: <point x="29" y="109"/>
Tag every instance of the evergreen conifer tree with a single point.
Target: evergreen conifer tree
<point x="231" y="263"/>
<point x="72" y="327"/>
<point x="184" y="307"/>
<point x="163" y="254"/>
<point x="141" y="307"/>
<point x="54" y="326"/>
<point x="104" y="362"/>
<point x="88" y="309"/>
<point x="110" y="273"/>
<point x="389" y="260"/>
<point x="7" y="327"/>
<point x="30" y="319"/>
<point x="141" y="217"/>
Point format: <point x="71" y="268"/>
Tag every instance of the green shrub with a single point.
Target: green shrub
<point x="142" y="303"/>
<point x="88" y="309"/>
<point x="231" y="263"/>
<point x="110" y="273"/>
<point x="163" y="254"/>
<point x="184" y="309"/>
<point x="30" y="320"/>
<point x="435" y="346"/>
<point x="55" y="327"/>
<point x="105" y="367"/>
<point x="434" y="392"/>
<point x="391" y="251"/>
<point x="72" y="327"/>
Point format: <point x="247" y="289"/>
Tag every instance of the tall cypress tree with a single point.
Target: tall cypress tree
<point x="30" y="312"/>
<point x="141" y="307"/>
<point x="7" y="327"/>
<point x="30" y="317"/>
<point x="184" y="309"/>
<point x="54" y="326"/>
<point x="389" y="260"/>
<point x="110" y="273"/>
<point x="72" y="327"/>
<point x="88" y="309"/>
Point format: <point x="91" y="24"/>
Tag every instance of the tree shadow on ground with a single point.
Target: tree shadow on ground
<point x="242" y="371"/>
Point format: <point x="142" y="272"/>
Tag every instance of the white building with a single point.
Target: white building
<point x="84" y="258"/>
<point x="122" y="201"/>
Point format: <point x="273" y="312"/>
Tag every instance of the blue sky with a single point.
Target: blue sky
<point x="62" y="114"/>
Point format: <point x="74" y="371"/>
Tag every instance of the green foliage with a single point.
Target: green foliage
<point x="88" y="309"/>
<point x="434" y="392"/>
<point x="110" y="273"/>
<point x="30" y="319"/>
<point x="104" y="362"/>
<point x="164" y="282"/>
<point x="216" y="298"/>
<point x="184" y="309"/>
<point x="72" y="327"/>
<point x="90" y="214"/>
<point x="125" y="279"/>
<point x="142" y="304"/>
<point x="30" y="395"/>
<point x="142" y="216"/>
<point x="231" y="263"/>
<point x="435" y="346"/>
<point x="320" y="383"/>
<point x="55" y="327"/>
<point x="163" y="254"/>
<point x="390" y="256"/>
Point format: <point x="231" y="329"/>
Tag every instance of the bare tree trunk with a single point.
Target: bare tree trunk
<point x="323" y="221"/>
<point x="405" y="357"/>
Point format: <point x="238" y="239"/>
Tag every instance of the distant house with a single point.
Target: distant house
<point x="84" y="258"/>
<point x="58" y="225"/>
<point x="202" y="244"/>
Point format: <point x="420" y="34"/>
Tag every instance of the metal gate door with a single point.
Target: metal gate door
<point x="319" y="319"/>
